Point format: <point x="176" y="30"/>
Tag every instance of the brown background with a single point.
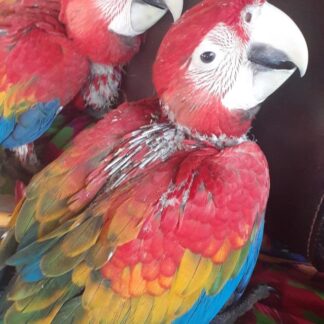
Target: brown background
<point x="289" y="128"/>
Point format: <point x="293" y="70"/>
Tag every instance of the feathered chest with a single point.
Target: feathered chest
<point x="138" y="151"/>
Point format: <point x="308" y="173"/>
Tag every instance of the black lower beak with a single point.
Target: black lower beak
<point x="269" y="57"/>
<point x="157" y="3"/>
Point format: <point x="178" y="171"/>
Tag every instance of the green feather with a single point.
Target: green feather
<point x="70" y="312"/>
<point x="52" y="291"/>
<point x="25" y="218"/>
<point x="55" y="263"/>
<point x="98" y="255"/>
<point x="21" y="289"/>
<point x="13" y="315"/>
<point x="32" y="251"/>
<point x="83" y="237"/>
<point x="64" y="228"/>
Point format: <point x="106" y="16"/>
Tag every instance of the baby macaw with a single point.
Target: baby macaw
<point x="156" y="213"/>
<point x="50" y="50"/>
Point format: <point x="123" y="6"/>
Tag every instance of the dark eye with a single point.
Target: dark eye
<point x="248" y="17"/>
<point x="207" y="57"/>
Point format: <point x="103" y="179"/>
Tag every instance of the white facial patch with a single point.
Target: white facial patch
<point x="253" y="86"/>
<point x="265" y="25"/>
<point x="233" y="76"/>
<point x="110" y="8"/>
<point x="216" y="76"/>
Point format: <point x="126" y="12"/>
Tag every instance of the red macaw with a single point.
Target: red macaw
<point x="48" y="49"/>
<point x="156" y="213"/>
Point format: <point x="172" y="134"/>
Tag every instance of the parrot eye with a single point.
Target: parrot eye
<point x="248" y="17"/>
<point x="207" y="57"/>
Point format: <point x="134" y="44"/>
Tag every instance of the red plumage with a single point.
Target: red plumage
<point x="207" y="12"/>
<point x="160" y="204"/>
<point x="37" y="57"/>
<point x="92" y="37"/>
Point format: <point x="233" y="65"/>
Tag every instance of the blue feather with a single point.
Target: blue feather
<point x="32" y="272"/>
<point x="207" y="307"/>
<point x="30" y="253"/>
<point x="32" y="124"/>
<point x="6" y="127"/>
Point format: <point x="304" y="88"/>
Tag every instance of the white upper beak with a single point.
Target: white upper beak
<point x="277" y="30"/>
<point x="140" y="15"/>
<point x="275" y="50"/>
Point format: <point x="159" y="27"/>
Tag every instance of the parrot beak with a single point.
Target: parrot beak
<point x="275" y="50"/>
<point x="174" y="6"/>
<point x="146" y="13"/>
<point x="276" y="42"/>
<point x="140" y="15"/>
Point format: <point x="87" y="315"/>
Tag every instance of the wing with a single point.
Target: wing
<point x="39" y="71"/>
<point x="147" y="251"/>
<point x="74" y="179"/>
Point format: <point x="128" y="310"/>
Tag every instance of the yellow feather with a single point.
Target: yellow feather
<point x="127" y="221"/>
<point x="159" y="308"/>
<point x="222" y="253"/>
<point x="113" y="310"/>
<point x="165" y="282"/>
<point x="123" y="315"/>
<point x="141" y="310"/>
<point x="154" y="288"/>
<point x="192" y="275"/>
<point x="125" y="282"/>
<point x="96" y="294"/>
<point x="229" y="266"/>
<point x="137" y="285"/>
<point x="187" y="303"/>
<point x="81" y="274"/>
<point x="175" y="302"/>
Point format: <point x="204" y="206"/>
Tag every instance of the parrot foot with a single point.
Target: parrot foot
<point x="232" y="313"/>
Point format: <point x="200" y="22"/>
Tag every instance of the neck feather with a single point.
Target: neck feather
<point x="87" y="24"/>
<point x="210" y="119"/>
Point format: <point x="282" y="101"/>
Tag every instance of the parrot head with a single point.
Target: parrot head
<point x="107" y="31"/>
<point x="222" y="60"/>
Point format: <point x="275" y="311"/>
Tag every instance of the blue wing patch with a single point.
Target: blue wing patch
<point x="31" y="125"/>
<point x="207" y="307"/>
<point x="7" y="125"/>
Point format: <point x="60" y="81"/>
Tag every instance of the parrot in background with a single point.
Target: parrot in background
<point x="156" y="213"/>
<point x="51" y="50"/>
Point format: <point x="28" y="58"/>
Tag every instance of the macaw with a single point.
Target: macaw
<point x="51" y="50"/>
<point x="156" y="213"/>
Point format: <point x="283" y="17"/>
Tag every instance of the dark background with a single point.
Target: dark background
<point x="289" y="128"/>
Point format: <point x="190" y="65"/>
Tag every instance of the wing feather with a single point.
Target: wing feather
<point x="147" y="250"/>
<point x="40" y="71"/>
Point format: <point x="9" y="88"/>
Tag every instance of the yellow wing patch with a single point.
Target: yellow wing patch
<point x="149" y="301"/>
<point x="15" y="98"/>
